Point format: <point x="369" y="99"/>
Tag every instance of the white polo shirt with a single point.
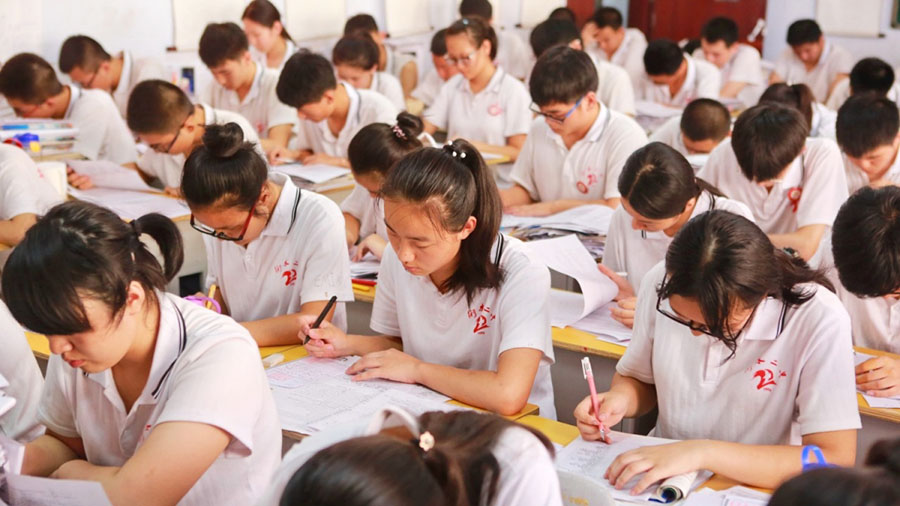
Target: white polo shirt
<point x="390" y="87"/>
<point x="368" y="210"/>
<point x="513" y="54"/>
<point x="499" y="111"/>
<point x="205" y="369"/>
<point x="589" y="171"/>
<point x="702" y="81"/>
<point x="670" y="134"/>
<point x="614" y="87"/>
<point x="18" y="366"/>
<point x="841" y="93"/>
<point x="824" y="122"/>
<point x="630" y="54"/>
<point x="23" y="188"/>
<point x="300" y="256"/>
<point x="446" y="329"/>
<point x="834" y="60"/>
<point x="102" y="133"/>
<point x="857" y="179"/>
<point x="428" y="87"/>
<point x="366" y="107"/>
<point x="290" y="49"/>
<point x="168" y="167"/>
<point x="635" y="252"/>
<point x="260" y="106"/>
<point x="791" y="375"/>
<point x="135" y="70"/>
<point x="743" y="67"/>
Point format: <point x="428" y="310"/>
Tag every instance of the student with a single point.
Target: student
<point x="564" y="14"/>
<point x="400" y="459"/>
<point x="243" y="85"/>
<point x="24" y="194"/>
<point x="372" y="153"/>
<point x="868" y="74"/>
<point x="400" y="65"/>
<point x="698" y="130"/>
<point x="467" y="305"/>
<point x="260" y="230"/>
<point x="659" y="195"/>
<point x="613" y="85"/>
<point x="91" y="67"/>
<point x="868" y="132"/>
<point x="430" y="85"/>
<point x="511" y="51"/>
<point x="33" y="91"/>
<point x="151" y="395"/>
<point x="19" y="367"/>
<point x="355" y="59"/>
<point x="811" y="60"/>
<point x="330" y="111"/>
<point x="675" y="79"/>
<point x="620" y="45"/>
<point x="267" y="34"/>
<point x="821" y="120"/>
<point x="867" y="262"/>
<point x="758" y="362"/>
<point x="793" y="185"/>
<point x="483" y="104"/>
<point x="738" y="63"/>
<point x="576" y="147"/>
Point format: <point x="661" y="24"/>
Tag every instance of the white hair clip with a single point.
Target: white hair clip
<point x="426" y="441"/>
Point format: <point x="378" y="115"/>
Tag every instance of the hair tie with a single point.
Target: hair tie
<point x="136" y="228"/>
<point x="398" y="132"/>
<point x="425" y="441"/>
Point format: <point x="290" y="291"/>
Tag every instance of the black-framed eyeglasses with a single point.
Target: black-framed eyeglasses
<point x="203" y="229"/>
<point x="695" y="326"/>
<point x="167" y="149"/>
<point x="535" y="109"/>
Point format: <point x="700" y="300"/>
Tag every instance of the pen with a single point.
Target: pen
<point x="211" y="295"/>
<point x="589" y="376"/>
<point x="321" y="317"/>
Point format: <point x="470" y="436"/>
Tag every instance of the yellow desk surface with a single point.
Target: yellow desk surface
<point x="585" y="342"/>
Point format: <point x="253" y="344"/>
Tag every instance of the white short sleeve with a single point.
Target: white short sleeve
<point x="19" y="367"/>
<point x="626" y="141"/>
<point x="438" y="113"/>
<point x="518" y="115"/>
<point x="102" y="133"/>
<point x="390" y="87"/>
<point x="55" y="410"/>
<point x="746" y="66"/>
<point x="22" y="188"/>
<point x="527" y="473"/>
<point x="614" y="252"/>
<point x="825" y="184"/>
<point x="637" y="362"/>
<point x="783" y="63"/>
<point x="709" y="80"/>
<point x="523" y="168"/>
<point x="524" y="307"/>
<point x="384" y="309"/>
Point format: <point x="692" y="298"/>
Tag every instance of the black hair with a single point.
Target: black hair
<point x="378" y="146"/>
<point x="384" y="470"/>
<point x="766" y="138"/>
<point x="705" y="118"/>
<point x="562" y="75"/>
<point x="157" y="106"/>
<point x="82" y="52"/>
<point x="306" y="76"/>
<point x="481" y="8"/>
<point x="81" y="250"/>
<point x="439" y="43"/>
<point x="608" y="17"/>
<point x="725" y="262"/>
<point x="360" y="23"/>
<point x="798" y="96"/>
<point x="720" y="28"/>
<point x="657" y="181"/>
<point x="451" y="184"/>
<point x="871" y="74"/>
<point x="478" y="31"/>
<point x="550" y="33"/>
<point x="266" y="14"/>
<point x="358" y="50"/>
<point x="225" y="170"/>
<point x="221" y="42"/>
<point x="803" y="31"/>
<point x="662" y="57"/>
<point x="866" y="121"/>
<point x="563" y="13"/>
<point x="29" y="78"/>
<point x="866" y="242"/>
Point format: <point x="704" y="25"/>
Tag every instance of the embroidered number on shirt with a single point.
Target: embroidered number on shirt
<point x="288" y="271"/>
<point x="767" y="377"/>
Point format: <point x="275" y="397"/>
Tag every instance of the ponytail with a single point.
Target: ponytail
<point x="266" y="14"/>
<point x="797" y="96"/>
<point x="378" y="146"/>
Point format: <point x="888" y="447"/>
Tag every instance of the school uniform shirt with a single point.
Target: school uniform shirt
<point x="366" y="107"/>
<point x="589" y="170"/>
<point x="834" y="60"/>
<point x="390" y="87"/>
<point x="513" y="54"/>
<point x="841" y="93"/>
<point x="670" y="134"/>
<point x="102" y="133"/>
<point x="446" y="329"/>
<point x="857" y="179"/>
<point x="743" y="67"/>
<point x="614" y="87"/>
<point x="630" y="54"/>
<point x="290" y="49"/>
<point x="702" y="81"/>
<point x="135" y="70"/>
<point x="499" y="111"/>
<point x="205" y="369"/>
<point x="428" y="87"/>
<point x="791" y="375"/>
<point x="260" y="106"/>
<point x="300" y="256"/>
<point x="168" y="167"/>
<point x="23" y="188"/>
<point x="635" y="252"/>
<point x="824" y="122"/>
<point x="18" y="366"/>
<point x="368" y="210"/>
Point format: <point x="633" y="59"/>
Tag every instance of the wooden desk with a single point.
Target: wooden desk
<point x="585" y="342"/>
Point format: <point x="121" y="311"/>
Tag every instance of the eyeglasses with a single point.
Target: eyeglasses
<point x="463" y="60"/>
<point x="698" y="327"/>
<point x="167" y="149"/>
<point x="535" y="109"/>
<point x="203" y="229"/>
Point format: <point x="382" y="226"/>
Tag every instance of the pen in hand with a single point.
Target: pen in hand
<point x="321" y="317"/>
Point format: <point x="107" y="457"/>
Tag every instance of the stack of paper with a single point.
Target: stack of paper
<point x="588" y="219"/>
<point x="106" y="174"/>
<point x="655" y="109"/>
<point x="366" y="268"/>
<point x="130" y="205"/>
<point x="875" y="402"/>
<point x="314" y="173"/>
<point x="34" y="491"/>
<point x="602" y="324"/>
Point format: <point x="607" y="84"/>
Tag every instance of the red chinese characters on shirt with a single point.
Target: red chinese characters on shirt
<point x="288" y="272"/>
<point x="587" y="179"/>
<point x="483" y="318"/>
<point x="766" y="374"/>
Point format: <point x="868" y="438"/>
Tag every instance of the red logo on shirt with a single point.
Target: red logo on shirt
<point x="482" y="316"/>
<point x="495" y="110"/>
<point x="793" y="195"/>
<point x="766" y="377"/>
<point x="288" y="271"/>
<point x="588" y="178"/>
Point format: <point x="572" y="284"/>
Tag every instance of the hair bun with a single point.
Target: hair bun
<point x="223" y="141"/>
<point x="410" y="124"/>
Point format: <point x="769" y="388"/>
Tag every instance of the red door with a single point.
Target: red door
<point x="683" y="19"/>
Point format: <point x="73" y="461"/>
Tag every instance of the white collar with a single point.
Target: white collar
<point x="125" y="76"/>
<point x="285" y="212"/>
<point x="75" y="94"/>
<point x="255" y="85"/>
<point x="493" y="85"/>
<point x="768" y="321"/>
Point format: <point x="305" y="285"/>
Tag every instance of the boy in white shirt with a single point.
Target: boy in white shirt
<point x="244" y="86"/>
<point x="330" y="111"/>
<point x="619" y="45"/>
<point x="512" y="52"/>
<point x="24" y="194"/>
<point x="812" y="60"/>
<point x="698" y="130"/>
<point x="575" y="150"/>
<point x="868" y="132"/>
<point x="355" y="58"/>
<point x="675" y="79"/>
<point x="430" y="85"/>
<point x="869" y="74"/>
<point x="400" y="65"/>
<point x="89" y="65"/>
<point x="33" y="91"/>
<point x="738" y="63"/>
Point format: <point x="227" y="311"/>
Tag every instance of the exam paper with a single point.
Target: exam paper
<point x="601" y="323"/>
<point x="131" y="205"/>
<point x="35" y="491"/>
<point x="314" y="173"/>
<point x="654" y="109"/>
<point x="368" y="265"/>
<point x="587" y="219"/>
<point x="875" y="402"/>
<point x="106" y="174"/>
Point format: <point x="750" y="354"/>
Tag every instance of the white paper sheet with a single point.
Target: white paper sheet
<point x="12" y="454"/>
<point x="734" y="496"/>
<point x="34" y="491"/>
<point x="367" y="409"/>
<point x="601" y="323"/>
<point x="654" y="109"/>
<point x="587" y="219"/>
<point x="875" y="402"/>
<point x="131" y="205"/>
<point x="370" y="264"/>
<point x="314" y="173"/>
<point x="106" y="174"/>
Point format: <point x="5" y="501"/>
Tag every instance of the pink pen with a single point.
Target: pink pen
<point x="589" y="376"/>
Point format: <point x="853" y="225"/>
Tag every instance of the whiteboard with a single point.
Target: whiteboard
<point x="190" y="17"/>
<point x="314" y="19"/>
<point x="406" y="17"/>
<point x="20" y="28"/>
<point x="857" y="18"/>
